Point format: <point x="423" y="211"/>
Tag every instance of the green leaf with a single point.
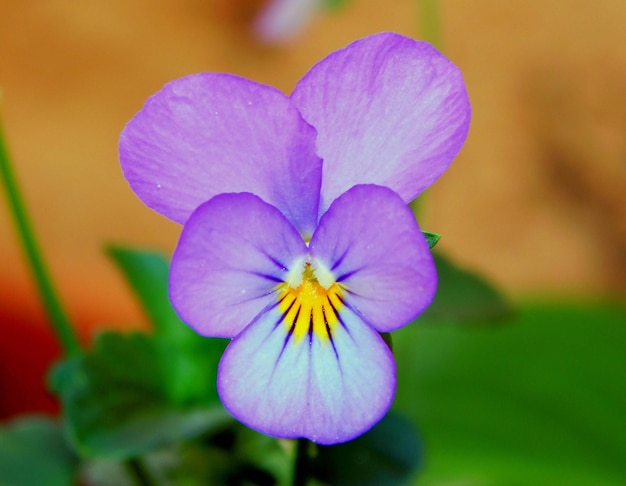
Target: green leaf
<point x="188" y="361"/>
<point x="253" y="451"/>
<point x="115" y="403"/>
<point x="431" y="238"/>
<point x="386" y="455"/>
<point x="147" y="274"/>
<point x="232" y="455"/>
<point x="33" y="452"/>
<point x="464" y="297"/>
<point x="539" y="401"/>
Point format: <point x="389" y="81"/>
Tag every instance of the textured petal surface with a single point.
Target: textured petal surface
<point x="370" y="242"/>
<point x="208" y="134"/>
<point x="326" y="392"/>
<point x="232" y="253"/>
<point x="389" y="110"/>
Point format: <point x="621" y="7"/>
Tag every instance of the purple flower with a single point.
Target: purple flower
<point x="297" y="240"/>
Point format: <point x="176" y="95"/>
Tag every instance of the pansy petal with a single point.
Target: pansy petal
<point x="327" y="390"/>
<point x="208" y="134"/>
<point x="232" y="253"/>
<point x="369" y="241"/>
<point x="389" y="110"/>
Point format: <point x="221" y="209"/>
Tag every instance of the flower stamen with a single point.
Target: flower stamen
<point x="309" y="308"/>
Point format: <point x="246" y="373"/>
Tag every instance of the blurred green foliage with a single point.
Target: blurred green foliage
<point x="387" y="454"/>
<point x="33" y="452"/>
<point x="116" y="404"/>
<point x="464" y="297"/>
<point x="537" y="399"/>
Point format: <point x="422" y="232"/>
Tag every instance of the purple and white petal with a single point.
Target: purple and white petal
<point x="369" y="241"/>
<point x="326" y="391"/>
<point x="233" y="252"/>
<point x="388" y="110"/>
<point x="208" y="134"/>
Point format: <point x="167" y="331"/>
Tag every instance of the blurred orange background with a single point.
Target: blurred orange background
<point x="536" y="201"/>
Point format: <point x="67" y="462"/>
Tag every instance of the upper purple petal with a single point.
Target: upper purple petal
<point x="371" y="244"/>
<point x="208" y="134"/>
<point x="388" y="110"/>
<point x="232" y="253"/>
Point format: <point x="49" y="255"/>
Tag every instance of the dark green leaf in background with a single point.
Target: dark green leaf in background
<point x="147" y="275"/>
<point x="538" y="401"/>
<point x="115" y="400"/>
<point x="464" y="297"/>
<point x="34" y="453"/>
<point x="229" y="455"/>
<point x="385" y="456"/>
<point x="188" y="361"/>
<point x="133" y="393"/>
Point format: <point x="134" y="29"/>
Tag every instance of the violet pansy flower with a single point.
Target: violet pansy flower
<point x="297" y="240"/>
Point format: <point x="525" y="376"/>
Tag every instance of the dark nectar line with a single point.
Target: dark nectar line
<point x="331" y="309"/>
<point x="275" y="261"/>
<point x="332" y="306"/>
<point x="295" y="320"/>
<point x="346" y="275"/>
<point x="329" y="332"/>
<point x="310" y="332"/>
<point x="343" y="324"/>
<point x="283" y="315"/>
<point x="266" y="276"/>
<point x="339" y="260"/>
<point x="289" y="333"/>
<point x="340" y="299"/>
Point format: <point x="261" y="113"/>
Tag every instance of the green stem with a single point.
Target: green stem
<point x="301" y="465"/>
<point x="59" y="320"/>
<point x="138" y="472"/>
<point x="429" y="22"/>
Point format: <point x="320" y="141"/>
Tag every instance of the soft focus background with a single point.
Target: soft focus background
<point x="536" y="201"/>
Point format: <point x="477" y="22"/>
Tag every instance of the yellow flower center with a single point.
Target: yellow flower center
<point x="310" y="308"/>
